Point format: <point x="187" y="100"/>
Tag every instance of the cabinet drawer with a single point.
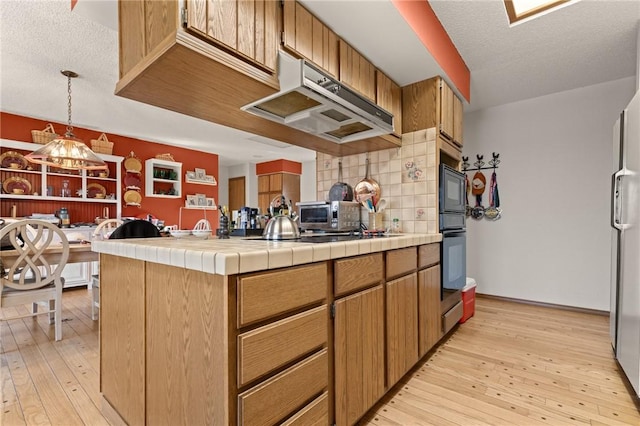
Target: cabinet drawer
<point x="401" y="262"/>
<point x="264" y="295"/>
<point x="428" y="254"/>
<point x="285" y="393"/>
<point x="451" y="317"/>
<point x="357" y="272"/>
<point x="314" y="414"/>
<point x="265" y="349"/>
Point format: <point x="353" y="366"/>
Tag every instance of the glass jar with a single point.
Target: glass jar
<point x="65" y="220"/>
<point x="395" y="226"/>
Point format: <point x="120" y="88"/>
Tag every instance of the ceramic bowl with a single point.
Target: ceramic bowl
<point x="202" y="233"/>
<point x="179" y="233"/>
<point x="18" y="191"/>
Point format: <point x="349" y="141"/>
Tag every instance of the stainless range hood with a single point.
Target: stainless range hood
<point x="314" y="102"/>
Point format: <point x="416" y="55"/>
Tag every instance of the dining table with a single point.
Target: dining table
<point x="78" y="253"/>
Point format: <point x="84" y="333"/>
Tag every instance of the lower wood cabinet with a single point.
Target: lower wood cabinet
<point x="316" y="413"/>
<point x="429" y="328"/>
<point x="183" y="347"/>
<point x="267" y="348"/>
<point x="402" y="327"/>
<point x="359" y="354"/>
<point x="275" y="399"/>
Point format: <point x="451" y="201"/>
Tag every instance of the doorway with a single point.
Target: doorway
<point x="236" y="193"/>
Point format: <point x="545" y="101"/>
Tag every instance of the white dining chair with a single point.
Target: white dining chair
<point x="202" y="225"/>
<point x="102" y="232"/>
<point x="31" y="278"/>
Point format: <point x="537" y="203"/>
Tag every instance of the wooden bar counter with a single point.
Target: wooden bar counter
<point x="252" y="332"/>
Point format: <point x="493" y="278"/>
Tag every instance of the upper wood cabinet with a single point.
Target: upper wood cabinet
<point x="207" y="59"/>
<point x="272" y="185"/>
<point x="356" y="71"/>
<point x="247" y="27"/>
<point x="389" y="97"/>
<point x="432" y="103"/>
<point x="306" y="36"/>
<point x="446" y="109"/>
<point x="458" y="117"/>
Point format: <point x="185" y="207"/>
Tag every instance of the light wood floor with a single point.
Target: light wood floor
<point x="515" y="364"/>
<point x="510" y="364"/>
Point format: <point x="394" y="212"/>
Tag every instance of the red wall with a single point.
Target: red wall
<point x="16" y="127"/>
<point x="424" y="22"/>
<point x="279" y="166"/>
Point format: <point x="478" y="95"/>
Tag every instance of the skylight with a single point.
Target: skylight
<point x="519" y="10"/>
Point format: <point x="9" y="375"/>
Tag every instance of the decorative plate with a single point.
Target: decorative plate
<point x="132" y="180"/>
<point x="11" y="183"/>
<point x="132" y="197"/>
<point x="95" y="188"/>
<point x="13" y="157"/>
<point x="132" y="163"/>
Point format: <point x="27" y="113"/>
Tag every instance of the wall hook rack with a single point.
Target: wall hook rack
<point x="479" y="163"/>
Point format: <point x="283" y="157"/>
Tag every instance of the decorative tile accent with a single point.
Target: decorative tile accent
<point x="389" y="168"/>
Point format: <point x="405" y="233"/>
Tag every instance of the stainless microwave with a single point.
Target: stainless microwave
<point x="335" y="216"/>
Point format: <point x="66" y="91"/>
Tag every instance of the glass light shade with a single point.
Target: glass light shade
<point x="67" y="152"/>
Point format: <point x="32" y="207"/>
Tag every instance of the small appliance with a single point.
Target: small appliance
<point x="334" y="216"/>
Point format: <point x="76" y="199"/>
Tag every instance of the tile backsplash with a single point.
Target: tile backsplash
<point x="407" y="178"/>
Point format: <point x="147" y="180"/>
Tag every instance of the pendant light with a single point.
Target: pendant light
<point x="67" y="152"/>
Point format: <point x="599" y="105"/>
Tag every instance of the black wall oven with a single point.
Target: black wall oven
<point x="452" y="206"/>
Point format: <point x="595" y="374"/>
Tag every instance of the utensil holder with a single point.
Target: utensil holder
<point x="376" y="221"/>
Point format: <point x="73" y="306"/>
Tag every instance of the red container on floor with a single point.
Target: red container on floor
<point x="468" y="300"/>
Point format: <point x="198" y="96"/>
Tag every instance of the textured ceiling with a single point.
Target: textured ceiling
<point x="586" y="43"/>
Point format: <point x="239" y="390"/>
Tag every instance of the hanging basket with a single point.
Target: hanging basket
<point x="45" y="135"/>
<point x="102" y="145"/>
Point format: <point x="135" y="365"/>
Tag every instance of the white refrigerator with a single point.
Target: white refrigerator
<point x="625" y="265"/>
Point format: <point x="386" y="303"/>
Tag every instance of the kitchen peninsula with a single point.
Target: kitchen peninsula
<point x="261" y="332"/>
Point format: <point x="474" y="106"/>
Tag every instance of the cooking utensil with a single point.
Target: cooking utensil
<point x="382" y="204"/>
<point x="478" y="185"/>
<point x="281" y="228"/>
<point x="340" y="191"/>
<point x="494" y="211"/>
<point x="368" y="188"/>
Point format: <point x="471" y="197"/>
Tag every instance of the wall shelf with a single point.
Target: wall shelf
<point x="158" y="184"/>
<point x="42" y="179"/>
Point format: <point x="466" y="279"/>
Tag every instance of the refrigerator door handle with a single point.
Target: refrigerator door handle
<point x="616" y="197"/>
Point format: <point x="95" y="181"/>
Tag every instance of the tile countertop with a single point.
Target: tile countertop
<point x="238" y="255"/>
